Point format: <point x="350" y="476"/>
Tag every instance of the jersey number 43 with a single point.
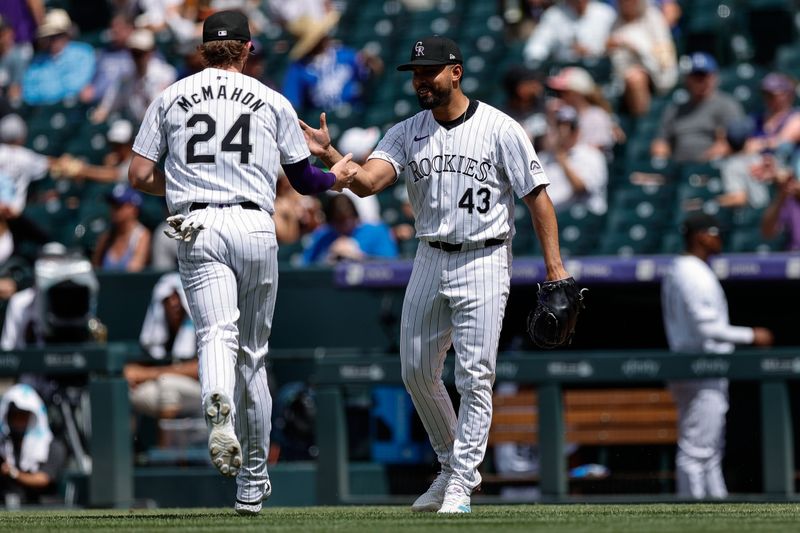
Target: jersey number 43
<point x="468" y="200"/>
<point x="240" y="128"/>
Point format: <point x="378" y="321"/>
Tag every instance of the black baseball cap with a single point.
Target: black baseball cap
<point x="700" y="222"/>
<point x="432" y="51"/>
<point x="226" y="26"/>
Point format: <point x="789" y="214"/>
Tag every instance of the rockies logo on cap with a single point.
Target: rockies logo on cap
<point x="433" y="51"/>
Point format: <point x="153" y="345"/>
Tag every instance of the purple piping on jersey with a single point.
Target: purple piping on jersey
<point x="308" y="179"/>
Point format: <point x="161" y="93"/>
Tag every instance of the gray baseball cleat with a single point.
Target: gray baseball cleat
<point x="252" y="508"/>
<point x="223" y="446"/>
<point x="431" y="500"/>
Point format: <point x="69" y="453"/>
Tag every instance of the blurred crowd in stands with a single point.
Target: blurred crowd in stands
<point x="641" y="110"/>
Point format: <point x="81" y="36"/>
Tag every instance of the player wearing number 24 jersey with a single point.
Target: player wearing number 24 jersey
<point x="223" y="135"/>
<point x="463" y="161"/>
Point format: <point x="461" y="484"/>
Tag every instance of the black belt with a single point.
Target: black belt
<point x="448" y="247"/>
<point x="202" y="205"/>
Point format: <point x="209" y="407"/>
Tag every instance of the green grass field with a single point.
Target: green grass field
<point x="728" y="518"/>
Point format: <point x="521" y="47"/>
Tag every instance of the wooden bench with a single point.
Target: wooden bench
<point x="595" y="417"/>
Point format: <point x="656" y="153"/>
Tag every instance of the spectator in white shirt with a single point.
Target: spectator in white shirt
<point x="643" y="53"/>
<point x="695" y="313"/>
<point x="577" y="171"/>
<point x="571" y="30"/>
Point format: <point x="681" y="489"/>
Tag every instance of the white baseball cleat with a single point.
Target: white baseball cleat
<point x="223" y="446"/>
<point x="456" y="499"/>
<point x="432" y="499"/>
<point x="253" y="508"/>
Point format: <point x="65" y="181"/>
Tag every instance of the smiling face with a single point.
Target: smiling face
<point x="434" y="85"/>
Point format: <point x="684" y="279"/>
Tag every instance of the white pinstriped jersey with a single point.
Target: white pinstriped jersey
<point x="225" y="135"/>
<point x="461" y="180"/>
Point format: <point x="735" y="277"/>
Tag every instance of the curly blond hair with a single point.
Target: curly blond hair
<point x="221" y="54"/>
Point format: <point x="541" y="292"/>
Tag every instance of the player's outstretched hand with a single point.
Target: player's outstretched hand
<point x="318" y="140"/>
<point x="344" y="172"/>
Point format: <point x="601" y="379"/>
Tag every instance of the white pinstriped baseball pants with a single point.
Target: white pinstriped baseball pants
<point x="702" y="406"/>
<point x="458" y="299"/>
<point x="230" y="274"/>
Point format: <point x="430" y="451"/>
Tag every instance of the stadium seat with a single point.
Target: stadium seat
<point x="750" y="240"/>
<point x="638" y="239"/>
<point x="788" y="60"/>
<point x="672" y="243"/>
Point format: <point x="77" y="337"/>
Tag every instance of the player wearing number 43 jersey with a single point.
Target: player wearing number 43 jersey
<point x="463" y="162"/>
<point x="224" y="135"/>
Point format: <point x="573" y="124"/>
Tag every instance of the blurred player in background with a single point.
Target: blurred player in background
<point x="695" y="313"/>
<point x="224" y="135"/>
<point x="463" y="162"/>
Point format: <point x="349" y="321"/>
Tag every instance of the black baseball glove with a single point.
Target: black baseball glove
<point x="552" y="322"/>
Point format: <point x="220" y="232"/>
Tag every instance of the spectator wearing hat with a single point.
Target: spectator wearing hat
<point x="576" y="88"/>
<point x="780" y="122"/>
<point x="695" y="313"/>
<point x="126" y="245"/>
<point x="577" y="170"/>
<point x="14" y="60"/>
<point x="571" y="30"/>
<point x="642" y="53"/>
<point x="150" y="75"/>
<point x="694" y="131"/>
<point x="325" y="74"/>
<point x="62" y="67"/>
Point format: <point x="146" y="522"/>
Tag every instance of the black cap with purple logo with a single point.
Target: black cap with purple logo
<point x="433" y="51"/>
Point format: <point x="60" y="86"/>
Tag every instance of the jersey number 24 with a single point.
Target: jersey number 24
<point x="229" y="144"/>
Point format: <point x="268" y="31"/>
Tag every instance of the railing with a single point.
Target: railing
<point x="110" y="444"/>
<point x="550" y="372"/>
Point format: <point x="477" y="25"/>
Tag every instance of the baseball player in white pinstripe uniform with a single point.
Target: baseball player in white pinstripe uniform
<point x="462" y="161"/>
<point x="224" y="135"/>
<point x="695" y="313"/>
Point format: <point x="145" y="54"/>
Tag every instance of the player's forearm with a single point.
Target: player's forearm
<point x="546" y="227"/>
<point x="363" y="185"/>
<point x="145" y="176"/>
<point x="308" y="179"/>
<point x="331" y="156"/>
<point x="722" y="332"/>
